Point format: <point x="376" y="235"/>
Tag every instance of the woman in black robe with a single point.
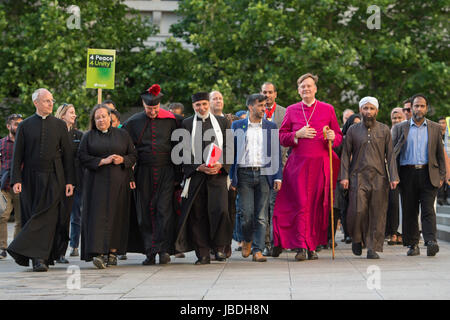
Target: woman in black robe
<point x="107" y="154"/>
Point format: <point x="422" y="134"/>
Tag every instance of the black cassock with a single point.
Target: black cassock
<point x="205" y="222"/>
<point x="106" y="192"/>
<point x="42" y="146"/>
<point x="152" y="221"/>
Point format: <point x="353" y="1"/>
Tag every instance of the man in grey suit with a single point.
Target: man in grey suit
<point x="274" y="113"/>
<point x="420" y="156"/>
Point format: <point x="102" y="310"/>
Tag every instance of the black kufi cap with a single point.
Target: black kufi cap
<point x="200" y="96"/>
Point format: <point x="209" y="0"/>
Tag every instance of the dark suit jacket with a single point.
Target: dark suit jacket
<point x="274" y="156"/>
<point x="436" y="158"/>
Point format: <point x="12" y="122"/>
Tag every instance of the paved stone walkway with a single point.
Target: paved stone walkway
<point x="346" y="277"/>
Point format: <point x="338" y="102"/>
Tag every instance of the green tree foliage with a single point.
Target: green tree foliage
<point x="240" y="44"/>
<point x="235" y="47"/>
<point x="39" y="48"/>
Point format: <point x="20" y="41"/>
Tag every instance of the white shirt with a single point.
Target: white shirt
<point x="253" y="156"/>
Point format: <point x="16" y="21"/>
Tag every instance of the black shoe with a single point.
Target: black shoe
<point x="112" y="260"/>
<point x="301" y="255"/>
<point x="371" y="254"/>
<point x="440" y="202"/>
<point x="432" y="248"/>
<point x="348" y="240"/>
<point x="357" y="248"/>
<point x="312" y="255"/>
<point x="330" y="245"/>
<point x="220" y="256"/>
<point x="319" y="248"/>
<point x="122" y="257"/>
<point x="62" y="259"/>
<point x="267" y="252"/>
<point x="99" y="262"/>
<point x="3" y="254"/>
<point x="74" y="252"/>
<point x="164" y="258"/>
<point x="276" y="251"/>
<point x="238" y="249"/>
<point x="203" y="260"/>
<point x="413" y="250"/>
<point x="150" y="260"/>
<point x="39" y="265"/>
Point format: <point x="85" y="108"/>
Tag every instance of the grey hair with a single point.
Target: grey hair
<point x="214" y="91"/>
<point x="36" y="94"/>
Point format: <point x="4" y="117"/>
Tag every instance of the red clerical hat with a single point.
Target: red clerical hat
<point x="152" y="96"/>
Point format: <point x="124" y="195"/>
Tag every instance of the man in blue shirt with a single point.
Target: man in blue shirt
<point x="420" y="155"/>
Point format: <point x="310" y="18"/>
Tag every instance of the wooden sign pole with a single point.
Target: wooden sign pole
<point x="99" y="96"/>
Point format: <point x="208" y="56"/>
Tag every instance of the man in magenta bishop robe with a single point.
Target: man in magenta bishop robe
<point x="301" y="213"/>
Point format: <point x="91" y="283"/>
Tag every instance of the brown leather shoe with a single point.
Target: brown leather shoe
<point x="258" y="257"/>
<point x="228" y="251"/>
<point x="246" y="249"/>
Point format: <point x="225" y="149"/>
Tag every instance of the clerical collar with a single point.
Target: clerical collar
<point x="204" y="117"/>
<point x="43" y="117"/>
<point x="103" y="131"/>
<point x="309" y="104"/>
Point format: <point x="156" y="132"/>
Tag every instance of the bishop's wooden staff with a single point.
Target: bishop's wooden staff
<point x="325" y="129"/>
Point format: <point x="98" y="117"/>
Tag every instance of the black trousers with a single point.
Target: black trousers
<point x="392" y="218"/>
<point x="416" y="189"/>
<point x="342" y="199"/>
<point x="336" y="216"/>
<point x="443" y="192"/>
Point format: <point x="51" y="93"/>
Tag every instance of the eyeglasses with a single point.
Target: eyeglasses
<point x="53" y="101"/>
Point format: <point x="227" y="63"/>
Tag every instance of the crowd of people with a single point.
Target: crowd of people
<point x="161" y="184"/>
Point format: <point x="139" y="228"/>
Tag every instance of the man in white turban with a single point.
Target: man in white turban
<point x="367" y="146"/>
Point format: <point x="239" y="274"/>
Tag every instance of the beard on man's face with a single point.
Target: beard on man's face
<point x="369" y="120"/>
<point x="419" y="116"/>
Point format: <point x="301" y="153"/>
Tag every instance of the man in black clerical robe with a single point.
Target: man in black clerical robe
<point x="156" y="177"/>
<point x="204" y="222"/>
<point x="42" y="172"/>
<point x="366" y="152"/>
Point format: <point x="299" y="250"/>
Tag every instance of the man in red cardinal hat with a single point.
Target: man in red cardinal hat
<point x="152" y="225"/>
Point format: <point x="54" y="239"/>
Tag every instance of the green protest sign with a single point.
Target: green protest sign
<point x="101" y="65"/>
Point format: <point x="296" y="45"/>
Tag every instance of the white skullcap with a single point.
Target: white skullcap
<point x="371" y="100"/>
